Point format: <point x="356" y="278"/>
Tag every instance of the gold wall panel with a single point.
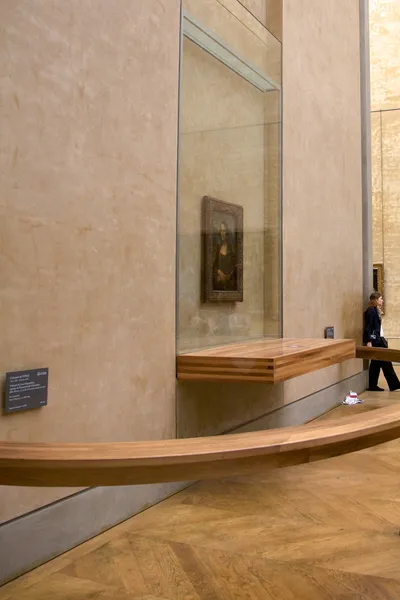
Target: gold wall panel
<point x="391" y="220"/>
<point x="385" y="50"/>
<point x="385" y="139"/>
<point x="377" y="192"/>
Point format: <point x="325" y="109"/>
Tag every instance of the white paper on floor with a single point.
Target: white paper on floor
<point x="352" y="398"/>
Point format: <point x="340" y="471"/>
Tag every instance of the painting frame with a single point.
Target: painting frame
<point x="230" y="289"/>
<point x="378" y="279"/>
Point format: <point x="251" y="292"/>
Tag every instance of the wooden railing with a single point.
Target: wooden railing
<point x="126" y="463"/>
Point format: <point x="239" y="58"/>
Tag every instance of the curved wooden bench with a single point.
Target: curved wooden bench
<point x="385" y="354"/>
<point x="126" y="463"/>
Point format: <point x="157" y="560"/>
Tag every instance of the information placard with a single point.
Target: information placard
<point x="330" y="333"/>
<point x="26" y="390"/>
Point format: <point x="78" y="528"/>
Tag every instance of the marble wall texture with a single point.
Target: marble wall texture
<point x="385" y="128"/>
<point x="88" y="147"/>
<point x="322" y="196"/>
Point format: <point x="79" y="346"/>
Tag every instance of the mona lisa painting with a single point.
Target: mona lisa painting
<point x="222" y="269"/>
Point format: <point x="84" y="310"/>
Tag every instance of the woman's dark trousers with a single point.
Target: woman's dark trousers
<point x="388" y="371"/>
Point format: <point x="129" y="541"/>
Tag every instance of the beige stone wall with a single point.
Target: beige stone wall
<point x="87" y="219"/>
<point x="385" y="126"/>
<point x="322" y="211"/>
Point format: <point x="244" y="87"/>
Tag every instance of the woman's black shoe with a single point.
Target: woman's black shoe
<point x="376" y="389"/>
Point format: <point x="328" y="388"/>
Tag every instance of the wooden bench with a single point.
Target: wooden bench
<point x="264" y="360"/>
<point x="127" y="463"/>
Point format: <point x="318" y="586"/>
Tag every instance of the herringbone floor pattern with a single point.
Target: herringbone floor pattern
<point x="329" y="530"/>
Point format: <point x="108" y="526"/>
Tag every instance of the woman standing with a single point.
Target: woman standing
<point x="373" y="336"/>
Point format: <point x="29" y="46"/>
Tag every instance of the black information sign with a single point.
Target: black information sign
<point x="26" y="390"/>
<point x="330" y="333"/>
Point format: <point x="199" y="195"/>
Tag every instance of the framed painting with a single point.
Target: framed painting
<point x="222" y="240"/>
<point x="378" y="280"/>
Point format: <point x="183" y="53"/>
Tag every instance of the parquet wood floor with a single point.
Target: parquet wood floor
<point x="322" y="531"/>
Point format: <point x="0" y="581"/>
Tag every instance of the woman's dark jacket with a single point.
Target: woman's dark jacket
<point x="372" y="328"/>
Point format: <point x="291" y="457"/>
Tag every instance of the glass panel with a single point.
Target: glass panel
<point x="229" y="189"/>
<point x="231" y="22"/>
